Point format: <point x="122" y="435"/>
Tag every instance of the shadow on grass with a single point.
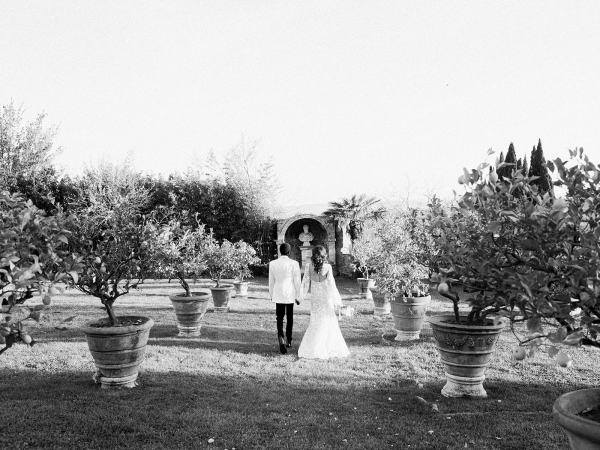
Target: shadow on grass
<point x="219" y="338"/>
<point x="183" y="410"/>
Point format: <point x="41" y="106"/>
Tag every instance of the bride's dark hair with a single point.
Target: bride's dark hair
<point x="319" y="256"/>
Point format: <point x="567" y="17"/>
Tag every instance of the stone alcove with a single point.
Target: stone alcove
<point x="323" y="231"/>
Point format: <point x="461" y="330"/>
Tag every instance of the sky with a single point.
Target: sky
<point x="389" y="98"/>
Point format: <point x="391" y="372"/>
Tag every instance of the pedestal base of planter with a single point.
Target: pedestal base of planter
<point x="124" y="382"/>
<point x="407" y="335"/>
<point x="464" y="387"/>
<point x="188" y="331"/>
<point x="382" y="310"/>
<point x="365" y="285"/>
<point x="221" y="308"/>
<point x="241" y="288"/>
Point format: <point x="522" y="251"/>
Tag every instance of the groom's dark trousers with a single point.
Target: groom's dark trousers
<point x="286" y="309"/>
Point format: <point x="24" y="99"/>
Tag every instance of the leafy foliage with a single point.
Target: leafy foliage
<point x="399" y="269"/>
<point x="178" y="251"/>
<point x="533" y="258"/>
<point x="221" y="259"/>
<point x="367" y="248"/>
<point x="33" y="257"/>
<point x="244" y="256"/>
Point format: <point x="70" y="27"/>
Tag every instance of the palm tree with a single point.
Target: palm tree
<point x="352" y="213"/>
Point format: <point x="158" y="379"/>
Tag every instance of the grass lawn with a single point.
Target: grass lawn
<point x="233" y="386"/>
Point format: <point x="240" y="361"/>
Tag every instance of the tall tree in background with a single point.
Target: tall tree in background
<point x="519" y="164"/>
<point x="26" y="154"/>
<point x="511" y="158"/>
<point x="252" y="177"/>
<point x="538" y="169"/>
<point x="352" y="213"/>
<point x="525" y="167"/>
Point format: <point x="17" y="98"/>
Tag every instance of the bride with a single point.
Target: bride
<point x="323" y="338"/>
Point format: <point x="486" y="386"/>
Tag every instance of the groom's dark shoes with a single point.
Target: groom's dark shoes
<point x="282" y="348"/>
<point x="289" y="343"/>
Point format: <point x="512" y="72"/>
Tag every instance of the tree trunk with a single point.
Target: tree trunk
<point x="111" y="314"/>
<point x="184" y="285"/>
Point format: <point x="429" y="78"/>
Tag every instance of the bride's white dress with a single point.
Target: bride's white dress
<point x="323" y="338"/>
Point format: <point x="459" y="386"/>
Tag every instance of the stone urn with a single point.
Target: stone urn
<point x="584" y="433"/>
<point x="221" y="296"/>
<point x="365" y="285"/>
<point x="241" y="288"/>
<point x="190" y="312"/>
<point x="466" y="351"/>
<point x="381" y="302"/>
<point x="118" y="351"/>
<point x="409" y="316"/>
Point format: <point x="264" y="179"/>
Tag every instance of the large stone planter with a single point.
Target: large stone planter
<point x="365" y="285"/>
<point x="118" y="351"/>
<point x="221" y="296"/>
<point x="241" y="288"/>
<point x="382" y="304"/>
<point x="190" y="312"/>
<point x="409" y="315"/>
<point x="466" y="351"/>
<point x="584" y="434"/>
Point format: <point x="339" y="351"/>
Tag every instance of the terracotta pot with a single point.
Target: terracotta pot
<point x="221" y="296"/>
<point x="118" y="351"/>
<point x="466" y="351"/>
<point x="365" y="285"/>
<point x="190" y="312"/>
<point x="409" y="315"/>
<point x="241" y="288"/>
<point x="584" y="434"/>
<point x="381" y="302"/>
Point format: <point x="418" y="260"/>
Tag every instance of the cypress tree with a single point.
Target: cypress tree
<point x="511" y="158"/>
<point x="539" y="169"/>
<point x="519" y="164"/>
<point x="532" y="158"/>
<point x="525" y="168"/>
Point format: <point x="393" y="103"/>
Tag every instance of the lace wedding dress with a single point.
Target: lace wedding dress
<point x="323" y="338"/>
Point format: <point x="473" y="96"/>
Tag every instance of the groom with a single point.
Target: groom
<point x="284" y="289"/>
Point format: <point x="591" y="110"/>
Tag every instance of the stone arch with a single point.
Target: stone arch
<point x="324" y="236"/>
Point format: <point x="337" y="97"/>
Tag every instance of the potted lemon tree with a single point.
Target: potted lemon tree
<point x="402" y="277"/>
<point x="112" y="240"/>
<point x="523" y="256"/>
<point x="33" y="258"/>
<point x="245" y="256"/>
<point x="221" y="261"/>
<point x="366" y="248"/>
<point x="178" y="252"/>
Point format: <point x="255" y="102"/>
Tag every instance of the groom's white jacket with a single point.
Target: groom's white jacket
<point x="284" y="280"/>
